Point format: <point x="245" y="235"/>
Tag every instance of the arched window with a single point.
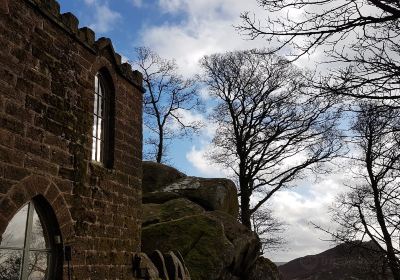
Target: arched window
<point x="101" y="136"/>
<point x="27" y="249"/>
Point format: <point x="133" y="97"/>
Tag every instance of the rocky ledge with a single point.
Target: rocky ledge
<point x="198" y="217"/>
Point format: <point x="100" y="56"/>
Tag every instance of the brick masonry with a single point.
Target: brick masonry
<point x="4" y="6"/>
<point x="47" y="70"/>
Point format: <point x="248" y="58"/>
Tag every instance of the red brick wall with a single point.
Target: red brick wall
<point x="47" y="69"/>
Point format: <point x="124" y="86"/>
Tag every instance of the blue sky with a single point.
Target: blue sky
<point x="167" y="27"/>
<point x="122" y="21"/>
<point x="186" y="30"/>
<point x="125" y="21"/>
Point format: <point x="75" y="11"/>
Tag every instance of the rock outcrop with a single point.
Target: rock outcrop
<point x="198" y="218"/>
<point x="264" y="269"/>
<point x="157" y="175"/>
<point x="171" y="210"/>
<point x="200" y="240"/>
<point x="211" y="194"/>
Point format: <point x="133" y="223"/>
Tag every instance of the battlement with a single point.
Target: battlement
<point x="84" y="35"/>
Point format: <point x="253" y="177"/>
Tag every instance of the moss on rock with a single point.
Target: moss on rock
<point x="200" y="239"/>
<point x="171" y="210"/>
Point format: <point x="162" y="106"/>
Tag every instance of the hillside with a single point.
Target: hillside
<point x="345" y="261"/>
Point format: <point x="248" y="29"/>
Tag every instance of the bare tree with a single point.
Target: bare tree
<point x="371" y="210"/>
<point x="269" y="229"/>
<point x="11" y="259"/>
<point x="168" y="97"/>
<point x="269" y="133"/>
<point x="10" y="263"/>
<point x="362" y="36"/>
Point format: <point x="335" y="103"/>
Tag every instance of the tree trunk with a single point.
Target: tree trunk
<point x="390" y="252"/>
<point x="380" y="216"/>
<point x="160" y="145"/>
<point x="245" y="192"/>
<point x="245" y="213"/>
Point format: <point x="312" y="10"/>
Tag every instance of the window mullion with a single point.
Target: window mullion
<point x="11" y="248"/>
<point x="27" y="243"/>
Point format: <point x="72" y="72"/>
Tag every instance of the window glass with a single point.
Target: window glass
<point x="96" y="83"/>
<point x="37" y="236"/>
<point x="10" y="264"/>
<point x="37" y="265"/>
<point x="24" y="250"/>
<point x="99" y="120"/>
<point x="15" y="232"/>
<point x="96" y="102"/>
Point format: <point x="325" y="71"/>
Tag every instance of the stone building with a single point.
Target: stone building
<point x="70" y="149"/>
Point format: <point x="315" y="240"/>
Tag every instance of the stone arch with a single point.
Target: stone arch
<point x="29" y="188"/>
<point x="110" y="79"/>
<point x="104" y="63"/>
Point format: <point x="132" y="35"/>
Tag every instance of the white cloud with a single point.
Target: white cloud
<point x="104" y="19"/>
<point x="124" y="58"/>
<point x="198" y="158"/>
<point x="187" y="117"/>
<point x="137" y="3"/>
<point x="207" y="27"/>
<point x="171" y="6"/>
<point x="297" y="208"/>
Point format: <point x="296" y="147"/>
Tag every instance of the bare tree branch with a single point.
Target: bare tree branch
<point x="363" y="36"/>
<point x="269" y="131"/>
<point x="372" y="207"/>
<point x="168" y="95"/>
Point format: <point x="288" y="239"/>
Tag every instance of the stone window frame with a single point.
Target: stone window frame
<point x="103" y="143"/>
<point x="51" y="235"/>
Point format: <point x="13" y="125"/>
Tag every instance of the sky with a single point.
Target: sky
<point x="186" y="30"/>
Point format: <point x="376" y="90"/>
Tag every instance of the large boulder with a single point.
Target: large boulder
<point x="201" y="241"/>
<point x="198" y="217"/>
<point x="263" y="269"/>
<point x="211" y="194"/>
<point x="246" y="243"/>
<point x="157" y="175"/>
<point x="171" y="210"/>
<point x="213" y="244"/>
<point x="159" y="197"/>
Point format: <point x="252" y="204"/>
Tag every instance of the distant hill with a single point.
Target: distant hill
<point x="344" y="262"/>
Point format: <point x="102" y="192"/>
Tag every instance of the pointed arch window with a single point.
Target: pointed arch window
<point x="26" y="249"/>
<point x="102" y="109"/>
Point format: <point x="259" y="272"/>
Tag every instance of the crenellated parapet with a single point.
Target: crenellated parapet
<point x="84" y="35"/>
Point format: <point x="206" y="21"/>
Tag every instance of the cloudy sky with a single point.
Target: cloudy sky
<point x="186" y="30"/>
